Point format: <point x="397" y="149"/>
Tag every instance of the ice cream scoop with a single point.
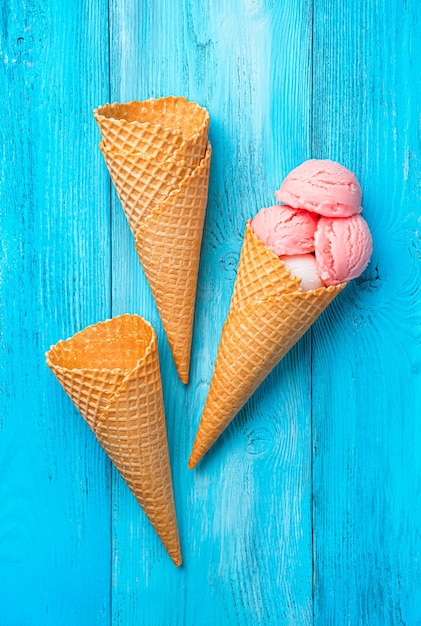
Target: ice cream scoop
<point x="304" y="266"/>
<point x="322" y="186"/>
<point x="343" y="248"/>
<point x="285" y="230"/>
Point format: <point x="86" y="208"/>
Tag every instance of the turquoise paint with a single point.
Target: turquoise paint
<point x="55" y="279"/>
<point x="366" y="387"/>
<point x="306" y="511"/>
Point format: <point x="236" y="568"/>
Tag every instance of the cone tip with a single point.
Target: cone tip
<point x="182" y="365"/>
<point x="194" y="459"/>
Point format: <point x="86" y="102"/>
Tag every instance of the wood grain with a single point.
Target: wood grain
<point x="55" y="530"/>
<point x="307" y="510"/>
<point x="225" y="58"/>
<point x="366" y="352"/>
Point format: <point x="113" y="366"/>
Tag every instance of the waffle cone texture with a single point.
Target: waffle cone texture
<point x="111" y="373"/>
<point x="268" y="314"/>
<point x="158" y="156"/>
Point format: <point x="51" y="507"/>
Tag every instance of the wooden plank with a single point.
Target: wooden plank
<point x="366" y="352"/>
<point x="245" y="512"/>
<point x="54" y="279"/>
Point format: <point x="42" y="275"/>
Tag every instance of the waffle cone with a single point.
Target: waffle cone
<point x="158" y="156"/>
<point x="160" y="127"/>
<point x="268" y="315"/>
<point x="142" y="182"/>
<point x="111" y="373"/>
<point x="193" y="150"/>
<point x="168" y="243"/>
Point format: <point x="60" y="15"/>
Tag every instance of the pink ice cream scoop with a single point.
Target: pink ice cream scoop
<point x="343" y="248"/>
<point x="322" y="186"/>
<point x="304" y="266"/>
<point x="285" y="230"/>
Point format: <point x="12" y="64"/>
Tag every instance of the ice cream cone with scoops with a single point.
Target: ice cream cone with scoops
<point x="297" y="256"/>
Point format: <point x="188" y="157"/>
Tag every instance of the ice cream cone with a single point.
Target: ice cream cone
<point x="111" y="373"/>
<point x="268" y="315"/>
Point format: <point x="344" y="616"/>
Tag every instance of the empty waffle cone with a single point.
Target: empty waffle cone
<point x="111" y="373"/>
<point x="168" y="243"/>
<point x="161" y="128"/>
<point x="165" y="205"/>
<point x="268" y="314"/>
<point x="158" y="156"/>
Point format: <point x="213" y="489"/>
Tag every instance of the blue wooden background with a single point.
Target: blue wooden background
<point x="308" y="509"/>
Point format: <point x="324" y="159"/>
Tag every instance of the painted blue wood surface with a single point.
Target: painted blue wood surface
<point x="55" y="528"/>
<point x="307" y="510"/>
<point x="366" y="383"/>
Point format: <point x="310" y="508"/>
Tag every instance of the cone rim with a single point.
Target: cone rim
<point x="107" y="322"/>
<point x="189" y="104"/>
<point x="320" y="291"/>
<point x="277" y="259"/>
